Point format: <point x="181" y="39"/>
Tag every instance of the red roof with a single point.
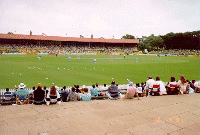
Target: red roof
<point x="57" y="38"/>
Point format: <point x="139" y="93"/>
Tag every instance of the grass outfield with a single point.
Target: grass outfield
<point x="84" y="71"/>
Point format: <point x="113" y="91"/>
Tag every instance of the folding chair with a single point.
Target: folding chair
<point x="22" y="99"/>
<point x="156" y="89"/>
<point x="172" y="88"/>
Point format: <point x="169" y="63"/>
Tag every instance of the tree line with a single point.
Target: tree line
<point x="187" y="40"/>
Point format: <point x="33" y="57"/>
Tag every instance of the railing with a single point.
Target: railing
<point x="120" y="87"/>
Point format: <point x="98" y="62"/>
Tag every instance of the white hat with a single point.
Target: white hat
<point x="130" y="83"/>
<point x="22" y="85"/>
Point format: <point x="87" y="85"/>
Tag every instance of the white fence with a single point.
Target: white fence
<point x="124" y="86"/>
<point x="120" y="87"/>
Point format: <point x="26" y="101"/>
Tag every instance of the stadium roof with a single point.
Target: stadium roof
<point x="57" y="38"/>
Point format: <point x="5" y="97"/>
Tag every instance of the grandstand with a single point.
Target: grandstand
<point x="48" y="44"/>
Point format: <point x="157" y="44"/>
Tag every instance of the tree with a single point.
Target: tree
<point x="10" y="33"/>
<point x="187" y="40"/>
<point x="151" y="43"/>
<point x="43" y="34"/>
<point x="81" y="36"/>
<point x="127" y="36"/>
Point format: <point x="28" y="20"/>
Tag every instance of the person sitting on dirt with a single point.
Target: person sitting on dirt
<point x="172" y="90"/>
<point x="39" y="95"/>
<point x="73" y="96"/>
<point x="131" y="92"/>
<point x="183" y="85"/>
<point x="53" y="96"/>
<point x="86" y="96"/>
<point x="94" y="91"/>
<point x="7" y="95"/>
<point x="113" y="92"/>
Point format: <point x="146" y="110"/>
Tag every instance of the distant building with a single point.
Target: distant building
<point x="40" y="40"/>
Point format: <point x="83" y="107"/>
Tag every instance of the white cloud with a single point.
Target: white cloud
<point x="102" y="18"/>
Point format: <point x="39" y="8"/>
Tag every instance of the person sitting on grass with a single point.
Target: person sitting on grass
<point x="73" y="96"/>
<point x="113" y="92"/>
<point x="86" y="96"/>
<point x="94" y="91"/>
<point x="53" y="96"/>
<point x="183" y="85"/>
<point x="131" y="92"/>
<point x="39" y="95"/>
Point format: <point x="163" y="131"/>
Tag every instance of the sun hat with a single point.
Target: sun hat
<point x="39" y="85"/>
<point x="130" y="83"/>
<point x="22" y="85"/>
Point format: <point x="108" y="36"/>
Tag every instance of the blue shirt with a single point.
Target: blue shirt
<point x="94" y="92"/>
<point x="22" y="94"/>
<point x="86" y="97"/>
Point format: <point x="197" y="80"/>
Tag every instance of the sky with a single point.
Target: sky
<point x="102" y="18"/>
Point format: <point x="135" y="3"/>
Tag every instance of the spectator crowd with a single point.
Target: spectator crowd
<point x="54" y="95"/>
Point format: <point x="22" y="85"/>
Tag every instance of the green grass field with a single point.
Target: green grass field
<point x="84" y="71"/>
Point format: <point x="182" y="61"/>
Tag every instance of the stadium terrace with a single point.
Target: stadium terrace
<point x="19" y="39"/>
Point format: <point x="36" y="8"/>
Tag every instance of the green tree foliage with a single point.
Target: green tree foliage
<point x="81" y="36"/>
<point x="127" y="36"/>
<point x="151" y="43"/>
<point x="10" y="33"/>
<point x="187" y="40"/>
<point x="43" y="34"/>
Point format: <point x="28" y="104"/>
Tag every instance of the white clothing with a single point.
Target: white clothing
<point x="53" y="100"/>
<point x="102" y="90"/>
<point x="139" y="90"/>
<point x="191" y="91"/>
<point x="195" y="84"/>
<point x="174" y="83"/>
<point x="31" y="91"/>
<point x="149" y="83"/>
<point x="182" y="86"/>
<point x="162" y="87"/>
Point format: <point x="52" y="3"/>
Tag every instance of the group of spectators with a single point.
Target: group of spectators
<point x="62" y="49"/>
<point x="150" y="87"/>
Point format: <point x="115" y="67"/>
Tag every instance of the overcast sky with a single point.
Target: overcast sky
<point x="102" y="18"/>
